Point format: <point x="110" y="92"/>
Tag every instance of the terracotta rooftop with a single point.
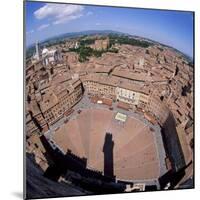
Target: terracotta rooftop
<point x="49" y="100"/>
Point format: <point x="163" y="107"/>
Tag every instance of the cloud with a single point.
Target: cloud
<point x="67" y="19"/>
<point x="98" y="24"/>
<point x="89" y="13"/>
<point x="59" y="13"/>
<point x="43" y="26"/>
<point x="30" y="32"/>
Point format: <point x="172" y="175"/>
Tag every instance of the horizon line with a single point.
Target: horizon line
<point x="119" y="32"/>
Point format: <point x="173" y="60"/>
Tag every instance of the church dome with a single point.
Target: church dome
<point x="45" y="51"/>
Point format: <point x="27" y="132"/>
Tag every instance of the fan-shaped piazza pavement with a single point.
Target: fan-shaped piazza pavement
<point x="127" y="150"/>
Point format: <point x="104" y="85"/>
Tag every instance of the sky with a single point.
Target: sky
<point x="173" y="28"/>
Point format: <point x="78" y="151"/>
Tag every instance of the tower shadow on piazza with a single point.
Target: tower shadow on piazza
<point x="108" y="155"/>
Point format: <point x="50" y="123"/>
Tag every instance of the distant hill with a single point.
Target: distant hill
<point x="30" y="50"/>
<point x="77" y="34"/>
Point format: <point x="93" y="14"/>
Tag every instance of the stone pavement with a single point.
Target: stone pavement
<point x="85" y="104"/>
